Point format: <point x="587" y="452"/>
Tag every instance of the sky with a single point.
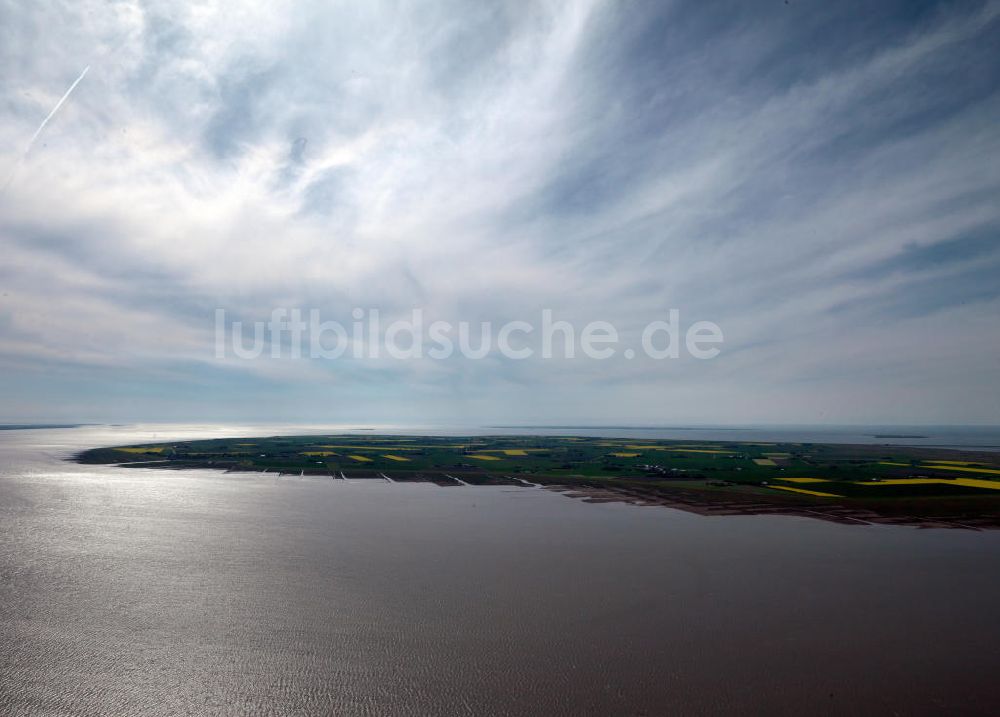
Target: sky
<point x="818" y="179"/>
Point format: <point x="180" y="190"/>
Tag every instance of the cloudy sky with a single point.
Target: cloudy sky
<point x="820" y="179"/>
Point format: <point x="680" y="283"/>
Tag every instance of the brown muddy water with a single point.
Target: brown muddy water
<point x="140" y="592"/>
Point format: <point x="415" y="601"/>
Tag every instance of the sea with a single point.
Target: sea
<point x="127" y="591"/>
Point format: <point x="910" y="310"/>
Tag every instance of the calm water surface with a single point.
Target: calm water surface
<point x="139" y="592"/>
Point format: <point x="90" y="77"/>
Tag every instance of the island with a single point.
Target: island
<point x="930" y="487"/>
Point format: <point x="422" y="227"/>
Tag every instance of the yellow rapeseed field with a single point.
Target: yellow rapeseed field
<point x="966" y="469"/>
<point x="152" y="449"/>
<point x="513" y="451"/>
<point x="361" y="459"/>
<point x="395" y="458"/>
<point x="967" y="482"/>
<point x="483" y="457"/>
<point x="803" y="490"/>
<point x="694" y="450"/>
<point x="641" y="447"/>
<point x="375" y="448"/>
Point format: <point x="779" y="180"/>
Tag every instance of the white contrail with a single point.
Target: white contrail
<point x="55" y="109"/>
<point x="49" y="116"/>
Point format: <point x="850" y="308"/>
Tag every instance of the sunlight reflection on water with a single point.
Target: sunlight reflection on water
<point x="129" y="591"/>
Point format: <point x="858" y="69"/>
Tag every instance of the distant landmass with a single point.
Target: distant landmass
<point x="619" y="428"/>
<point x="845" y="483"/>
<point x="26" y="426"/>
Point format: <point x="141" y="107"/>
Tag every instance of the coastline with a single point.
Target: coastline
<point x="919" y="486"/>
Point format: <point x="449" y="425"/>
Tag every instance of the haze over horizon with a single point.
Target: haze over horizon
<point x="819" y="179"/>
